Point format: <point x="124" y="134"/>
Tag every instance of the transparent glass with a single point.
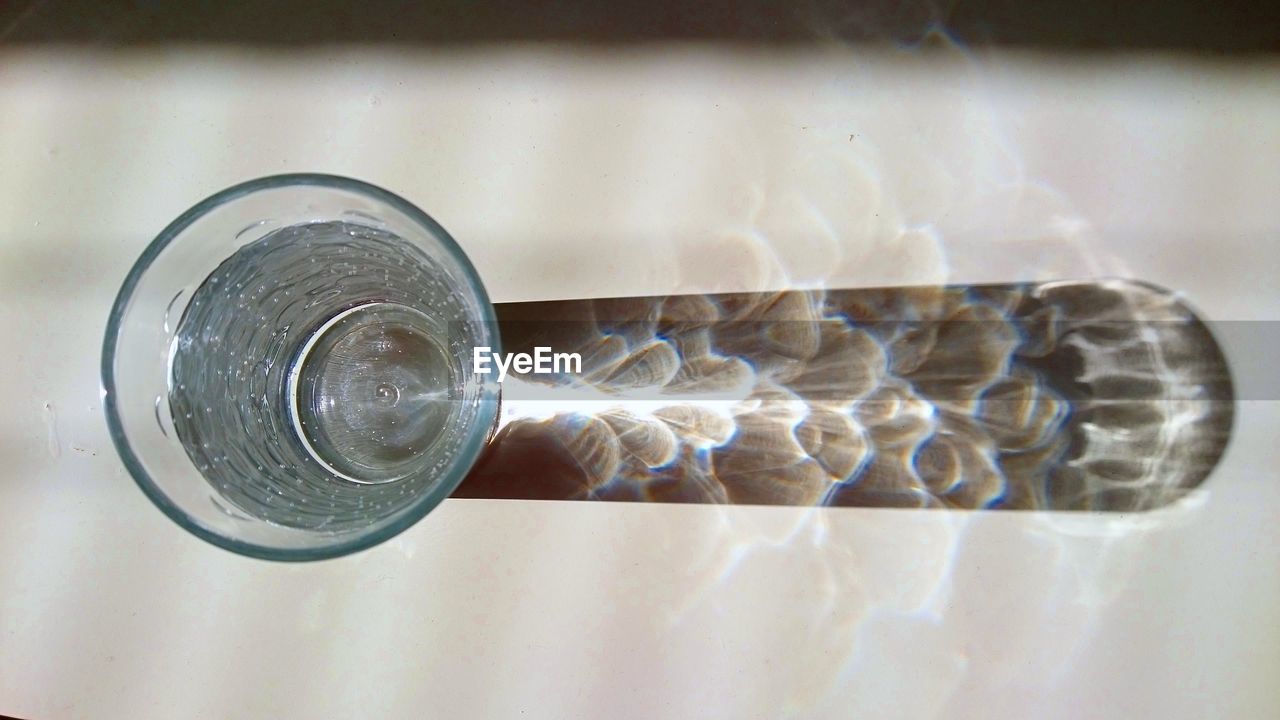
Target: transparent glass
<point x="286" y="367"/>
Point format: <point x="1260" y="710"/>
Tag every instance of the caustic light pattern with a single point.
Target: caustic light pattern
<point x="1089" y="396"/>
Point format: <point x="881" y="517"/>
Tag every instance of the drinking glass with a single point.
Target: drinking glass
<point x="286" y="367"/>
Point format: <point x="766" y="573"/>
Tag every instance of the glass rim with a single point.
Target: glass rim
<point x="470" y="451"/>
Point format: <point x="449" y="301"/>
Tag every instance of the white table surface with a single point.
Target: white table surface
<point x="566" y="172"/>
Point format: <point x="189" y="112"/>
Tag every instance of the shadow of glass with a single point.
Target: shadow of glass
<point x="1104" y="396"/>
